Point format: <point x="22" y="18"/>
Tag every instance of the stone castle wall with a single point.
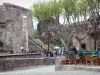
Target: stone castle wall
<point x="12" y="17"/>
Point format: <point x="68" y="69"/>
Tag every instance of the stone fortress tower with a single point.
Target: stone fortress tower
<point x="16" y="28"/>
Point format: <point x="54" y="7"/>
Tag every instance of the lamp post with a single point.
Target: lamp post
<point x="25" y="32"/>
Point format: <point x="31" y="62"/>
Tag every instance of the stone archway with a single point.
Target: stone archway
<point x="1" y="47"/>
<point x="83" y="45"/>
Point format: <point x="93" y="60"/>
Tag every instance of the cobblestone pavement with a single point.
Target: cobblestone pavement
<point x="49" y="70"/>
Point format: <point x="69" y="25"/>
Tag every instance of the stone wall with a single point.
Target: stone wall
<point x="80" y="67"/>
<point x="30" y="55"/>
<point x="88" y="41"/>
<point x="16" y="63"/>
<point x="13" y="35"/>
<point x="60" y="65"/>
<point x="15" y="26"/>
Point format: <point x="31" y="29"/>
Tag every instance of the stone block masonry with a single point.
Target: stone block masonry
<point x="16" y="63"/>
<point x="17" y="29"/>
<point x="67" y="67"/>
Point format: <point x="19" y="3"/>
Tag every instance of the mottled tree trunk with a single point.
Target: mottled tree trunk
<point x="63" y="42"/>
<point x="80" y="47"/>
<point x="79" y="42"/>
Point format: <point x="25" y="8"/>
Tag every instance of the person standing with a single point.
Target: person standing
<point x="27" y="50"/>
<point x="22" y="49"/>
<point x="56" y="53"/>
<point x="74" y="49"/>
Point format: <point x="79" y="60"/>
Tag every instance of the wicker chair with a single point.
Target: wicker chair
<point x="98" y="53"/>
<point x="72" y="57"/>
<point x="94" y="58"/>
<point x="81" y="57"/>
<point x="67" y="61"/>
<point x="88" y="57"/>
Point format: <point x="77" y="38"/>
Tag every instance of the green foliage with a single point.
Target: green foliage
<point x="56" y="8"/>
<point x="36" y="34"/>
<point x="52" y="9"/>
<point x="98" y="1"/>
<point x="81" y="6"/>
<point x="36" y="11"/>
<point x="75" y="7"/>
<point x="46" y="11"/>
<point x="68" y="6"/>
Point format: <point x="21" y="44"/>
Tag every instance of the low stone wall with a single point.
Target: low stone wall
<point x="15" y="63"/>
<point x="30" y="55"/>
<point x="80" y="67"/>
<point x="59" y="66"/>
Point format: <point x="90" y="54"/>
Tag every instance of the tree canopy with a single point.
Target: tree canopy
<point x="75" y="11"/>
<point x="46" y="10"/>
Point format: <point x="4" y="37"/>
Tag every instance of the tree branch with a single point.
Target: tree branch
<point x="70" y="36"/>
<point x="85" y="35"/>
<point x="76" y="37"/>
<point x="63" y="42"/>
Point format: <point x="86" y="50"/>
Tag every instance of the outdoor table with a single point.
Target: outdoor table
<point x="71" y="53"/>
<point x="80" y="52"/>
<point x="93" y="52"/>
<point x="85" y="52"/>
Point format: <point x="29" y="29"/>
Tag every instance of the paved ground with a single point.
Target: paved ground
<point x="49" y="70"/>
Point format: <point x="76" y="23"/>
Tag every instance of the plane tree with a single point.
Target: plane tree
<point x="78" y="16"/>
<point x="47" y="13"/>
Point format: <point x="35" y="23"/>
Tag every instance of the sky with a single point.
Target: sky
<point x="25" y="4"/>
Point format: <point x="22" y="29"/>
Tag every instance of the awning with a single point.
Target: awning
<point x="56" y="48"/>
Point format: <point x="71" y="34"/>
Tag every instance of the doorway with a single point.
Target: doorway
<point x="1" y="44"/>
<point x="83" y="46"/>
